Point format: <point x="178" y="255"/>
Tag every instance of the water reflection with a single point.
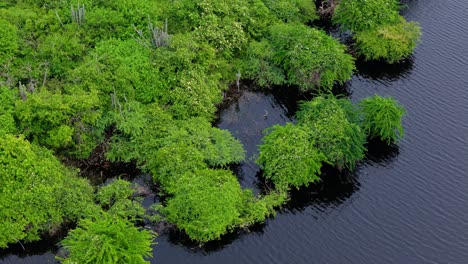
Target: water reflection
<point x="380" y="153"/>
<point x="179" y="238"/>
<point x="382" y="71"/>
<point x="46" y="246"/>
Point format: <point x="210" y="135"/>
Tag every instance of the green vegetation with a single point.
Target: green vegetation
<point x="289" y="157"/>
<point x="37" y="193"/>
<point x="330" y="130"/>
<point x="107" y="239"/>
<point x="380" y="32"/>
<point x="334" y="127"/>
<point x="142" y="81"/>
<point x="389" y="42"/>
<point x="362" y="15"/>
<point x="382" y="118"/>
<point x="298" y="55"/>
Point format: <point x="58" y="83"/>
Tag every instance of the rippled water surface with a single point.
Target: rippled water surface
<point x="402" y="205"/>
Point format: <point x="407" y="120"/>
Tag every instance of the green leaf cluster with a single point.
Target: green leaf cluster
<point x="331" y="124"/>
<point x="118" y="199"/>
<point x="208" y="203"/>
<point x="382" y="118"/>
<point x="389" y="42"/>
<point x="289" y="157"/>
<point x="37" y="193"/>
<point x="108" y="239"/>
<point x="298" y="55"/>
<point x="8" y="41"/>
<point x="328" y="129"/>
<point x="380" y="32"/>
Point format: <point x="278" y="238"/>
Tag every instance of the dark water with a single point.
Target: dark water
<point x="402" y="205"/>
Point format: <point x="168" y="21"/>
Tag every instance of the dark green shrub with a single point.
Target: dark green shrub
<point x="289" y="157"/>
<point x="108" y="240"/>
<point x="360" y="15"/>
<point x="330" y="123"/>
<point x="382" y="118"/>
<point x="310" y="58"/>
<point x="37" y="193"/>
<point x="388" y="42"/>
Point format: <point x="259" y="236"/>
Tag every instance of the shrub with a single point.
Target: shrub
<point x="360" y="15"/>
<point x="389" y="42"/>
<point x="257" y="65"/>
<point x="382" y="118"/>
<point x="301" y="11"/>
<point x="7" y="111"/>
<point x="61" y="121"/>
<point x="206" y="204"/>
<point x="310" y="58"/>
<point x="333" y="130"/>
<point x="37" y="193"/>
<point x="107" y="239"/>
<point x="8" y="41"/>
<point x="117" y="199"/>
<point x="257" y="209"/>
<point x="289" y="157"/>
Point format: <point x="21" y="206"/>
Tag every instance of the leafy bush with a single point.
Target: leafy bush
<point x="37" y="193"/>
<point x="380" y="32"/>
<point x="7" y="111"/>
<point x="8" y="41"/>
<point x="289" y="158"/>
<point x="257" y="65"/>
<point x="301" y="11"/>
<point x="61" y="121"/>
<point x="310" y="57"/>
<point x="206" y="204"/>
<point x="117" y="199"/>
<point x="382" y="118"/>
<point x="389" y="42"/>
<point x="256" y="209"/>
<point x="108" y="239"/>
<point x="333" y="130"/>
<point x="360" y="15"/>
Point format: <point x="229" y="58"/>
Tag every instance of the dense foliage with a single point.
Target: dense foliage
<point x="330" y="130"/>
<point x="37" y="193"/>
<point x="289" y="157"/>
<point x="382" y="118"/>
<point x="389" y="42"/>
<point x="206" y="207"/>
<point x="380" y="32"/>
<point x="142" y="81"/>
<point x="107" y="239"/>
<point x="298" y="55"/>
<point x="361" y="15"/>
<point x="333" y="126"/>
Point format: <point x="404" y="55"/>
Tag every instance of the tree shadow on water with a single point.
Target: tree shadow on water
<point x="381" y="70"/>
<point x="380" y="153"/>
<point x="178" y="237"/>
